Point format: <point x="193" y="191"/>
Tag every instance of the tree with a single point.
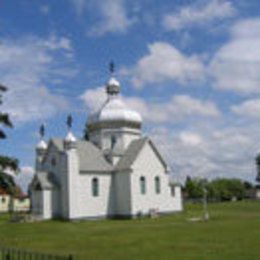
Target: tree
<point x="258" y="167"/>
<point x="194" y="187"/>
<point x="222" y="189"/>
<point x="4" y="117"/>
<point x="6" y="163"/>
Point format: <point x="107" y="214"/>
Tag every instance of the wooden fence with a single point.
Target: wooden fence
<point x="19" y="254"/>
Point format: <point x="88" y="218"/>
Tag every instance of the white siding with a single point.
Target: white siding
<point x="47" y="204"/>
<point x="53" y="154"/>
<point x="123" y="194"/>
<point x="42" y="203"/>
<point x="37" y="202"/>
<point x="119" y="193"/>
<point x="124" y="137"/>
<point x="91" y="206"/>
<point x="148" y="165"/>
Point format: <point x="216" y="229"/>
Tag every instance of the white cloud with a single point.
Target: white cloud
<point x="209" y="150"/>
<point x="25" y="176"/>
<point x="236" y="65"/>
<point x="248" y="28"/>
<point x="94" y="98"/>
<point x="198" y="14"/>
<point x="27" y="65"/>
<point x="165" y="62"/>
<point x="190" y="139"/>
<point x="55" y="43"/>
<point x="114" y="18"/>
<point x="79" y="5"/>
<point x="176" y="109"/>
<point x="112" y="15"/>
<point x="45" y="9"/>
<point x="248" y="109"/>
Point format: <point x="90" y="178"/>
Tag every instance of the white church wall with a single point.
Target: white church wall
<point x="52" y="163"/>
<point x="124" y="136"/>
<point x="63" y="189"/>
<point x="47" y="204"/>
<point x="37" y="202"/>
<point x="107" y="143"/>
<point x="123" y="193"/>
<point x="149" y="166"/>
<point x="129" y="136"/>
<point x="56" y="203"/>
<point x="101" y="205"/>
<point x="95" y="138"/>
<point x="71" y="184"/>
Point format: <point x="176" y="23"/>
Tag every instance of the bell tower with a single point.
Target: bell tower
<point x="41" y="149"/>
<point x="115" y="125"/>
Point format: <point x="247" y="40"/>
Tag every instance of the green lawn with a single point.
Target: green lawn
<point x="232" y="233"/>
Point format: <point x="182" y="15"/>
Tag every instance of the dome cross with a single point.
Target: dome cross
<point x="69" y="122"/>
<point x="42" y="131"/>
<point x="112" y="67"/>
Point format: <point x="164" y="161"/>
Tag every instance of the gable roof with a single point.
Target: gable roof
<point x="159" y="155"/>
<point x="91" y="158"/>
<point x="134" y="150"/>
<point x="43" y="179"/>
<point x="58" y="143"/>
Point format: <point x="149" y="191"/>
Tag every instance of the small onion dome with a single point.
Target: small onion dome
<point x="115" y="114"/>
<point x="113" y="86"/>
<point x="41" y="145"/>
<point x="70" y="138"/>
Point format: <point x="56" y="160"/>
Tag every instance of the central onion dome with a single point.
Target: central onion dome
<point x="114" y="113"/>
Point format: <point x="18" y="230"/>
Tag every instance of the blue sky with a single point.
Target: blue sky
<point x="191" y="68"/>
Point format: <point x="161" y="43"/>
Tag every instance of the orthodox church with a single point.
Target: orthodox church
<point x="118" y="172"/>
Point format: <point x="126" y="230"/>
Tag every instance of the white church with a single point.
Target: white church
<point x="118" y="172"/>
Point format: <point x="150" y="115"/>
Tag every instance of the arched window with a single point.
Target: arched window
<point x="173" y="191"/>
<point x="113" y="142"/>
<point x="95" y="187"/>
<point x="157" y="184"/>
<point x="142" y="185"/>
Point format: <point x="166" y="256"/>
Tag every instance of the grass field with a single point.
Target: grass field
<point x="233" y="232"/>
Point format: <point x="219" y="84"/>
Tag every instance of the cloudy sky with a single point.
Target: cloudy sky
<point x="191" y="68"/>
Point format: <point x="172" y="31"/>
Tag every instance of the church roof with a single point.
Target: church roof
<point x="91" y="158"/>
<point x="133" y="151"/>
<point x="131" y="154"/>
<point x="41" y="145"/>
<point x="43" y="179"/>
<point x="114" y="111"/>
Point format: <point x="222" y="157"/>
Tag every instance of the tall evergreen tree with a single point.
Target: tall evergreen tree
<point x="6" y="163"/>
<point x="4" y="117"/>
